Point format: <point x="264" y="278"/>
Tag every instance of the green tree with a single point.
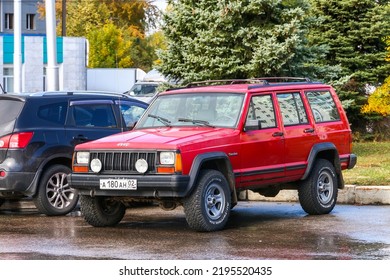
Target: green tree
<point x="116" y="30"/>
<point x="214" y="39"/>
<point x="110" y="50"/>
<point x="388" y="48"/>
<point x="353" y="33"/>
<point x="379" y="101"/>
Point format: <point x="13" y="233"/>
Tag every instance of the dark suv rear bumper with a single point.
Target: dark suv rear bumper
<point x="153" y="186"/>
<point x="18" y="182"/>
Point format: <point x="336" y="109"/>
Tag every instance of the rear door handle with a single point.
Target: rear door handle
<point x="277" y="134"/>
<point x="308" y="130"/>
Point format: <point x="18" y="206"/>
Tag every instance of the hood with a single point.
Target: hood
<point x="183" y="138"/>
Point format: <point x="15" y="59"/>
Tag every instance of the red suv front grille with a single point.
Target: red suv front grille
<point x="124" y="161"/>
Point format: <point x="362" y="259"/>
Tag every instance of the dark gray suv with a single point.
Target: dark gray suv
<point x="38" y="133"/>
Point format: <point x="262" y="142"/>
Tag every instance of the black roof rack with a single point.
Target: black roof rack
<point x="255" y="82"/>
<point x="262" y="80"/>
<point x="226" y="82"/>
<point x="81" y="92"/>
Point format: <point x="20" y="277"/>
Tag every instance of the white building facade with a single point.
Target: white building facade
<point x="71" y="58"/>
<point x="71" y="52"/>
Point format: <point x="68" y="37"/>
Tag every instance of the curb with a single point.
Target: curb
<point x="351" y="194"/>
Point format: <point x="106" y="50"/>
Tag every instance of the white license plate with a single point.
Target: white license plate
<point x="118" y="184"/>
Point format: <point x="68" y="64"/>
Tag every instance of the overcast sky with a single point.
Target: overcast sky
<point x="161" y="4"/>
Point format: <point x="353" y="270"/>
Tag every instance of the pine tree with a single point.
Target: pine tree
<point x="220" y="39"/>
<point x="354" y="33"/>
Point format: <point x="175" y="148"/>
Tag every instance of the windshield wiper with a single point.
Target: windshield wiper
<point x="165" y="121"/>
<point x="206" y="123"/>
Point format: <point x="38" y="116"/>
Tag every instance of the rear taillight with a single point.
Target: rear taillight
<point x="4" y="141"/>
<point x="16" y="141"/>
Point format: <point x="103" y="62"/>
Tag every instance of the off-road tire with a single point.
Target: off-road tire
<point x="208" y="206"/>
<point x="318" y="193"/>
<point x="54" y="196"/>
<point x="101" y="211"/>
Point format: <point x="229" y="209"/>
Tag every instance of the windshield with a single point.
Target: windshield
<point x="141" y="90"/>
<point x="200" y="109"/>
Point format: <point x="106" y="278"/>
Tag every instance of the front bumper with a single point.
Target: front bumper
<point x="148" y="186"/>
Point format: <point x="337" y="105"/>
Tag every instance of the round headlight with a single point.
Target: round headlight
<point x="141" y="165"/>
<point x="96" y="165"/>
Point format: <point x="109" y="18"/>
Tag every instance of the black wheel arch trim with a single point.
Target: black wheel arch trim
<point x="33" y="188"/>
<point x="321" y="147"/>
<point x="201" y="159"/>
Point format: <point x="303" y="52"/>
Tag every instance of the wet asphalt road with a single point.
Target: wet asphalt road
<point x="256" y="230"/>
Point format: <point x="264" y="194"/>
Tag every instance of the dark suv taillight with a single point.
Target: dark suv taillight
<point x="16" y="140"/>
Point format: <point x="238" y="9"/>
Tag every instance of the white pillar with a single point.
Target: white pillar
<point x="52" y="68"/>
<point x="17" y="46"/>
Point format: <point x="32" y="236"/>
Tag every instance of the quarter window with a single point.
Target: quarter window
<point x="261" y="111"/>
<point x="322" y="106"/>
<point x="292" y="109"/>
<point x="55" y="113"/>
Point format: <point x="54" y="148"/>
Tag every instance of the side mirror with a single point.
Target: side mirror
<point x="252" y="125"/>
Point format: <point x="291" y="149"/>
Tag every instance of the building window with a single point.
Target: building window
<point x="8" y="79"/>
<point x="44" y="79"/>
<point x="9" y="21"/>
<point x="30" y="21"/>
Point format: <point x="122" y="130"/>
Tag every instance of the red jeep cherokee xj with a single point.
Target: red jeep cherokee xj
<point x="199" y="146"/>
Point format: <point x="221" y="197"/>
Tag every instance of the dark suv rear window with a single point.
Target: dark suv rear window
<point x="9" y="112"/>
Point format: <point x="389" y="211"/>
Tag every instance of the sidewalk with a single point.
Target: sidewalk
<point x="351" y="194"/>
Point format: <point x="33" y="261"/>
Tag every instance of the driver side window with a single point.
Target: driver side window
<point x="261" y="112"/>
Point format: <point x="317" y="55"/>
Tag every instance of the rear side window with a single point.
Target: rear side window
<point x="94" y="115"/>
<point x="55" y="113"/>
<point x="292" y="109"/>
<point x="322" y="106"/>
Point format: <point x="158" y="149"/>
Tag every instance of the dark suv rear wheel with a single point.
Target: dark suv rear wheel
<point x="318" y="193"/>
<point x="55" y="196"/>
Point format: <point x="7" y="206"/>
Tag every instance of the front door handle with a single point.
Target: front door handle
<point x="277" y="134"/>
<point x="308" y="130"/>
<point x="80" y="137"/>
